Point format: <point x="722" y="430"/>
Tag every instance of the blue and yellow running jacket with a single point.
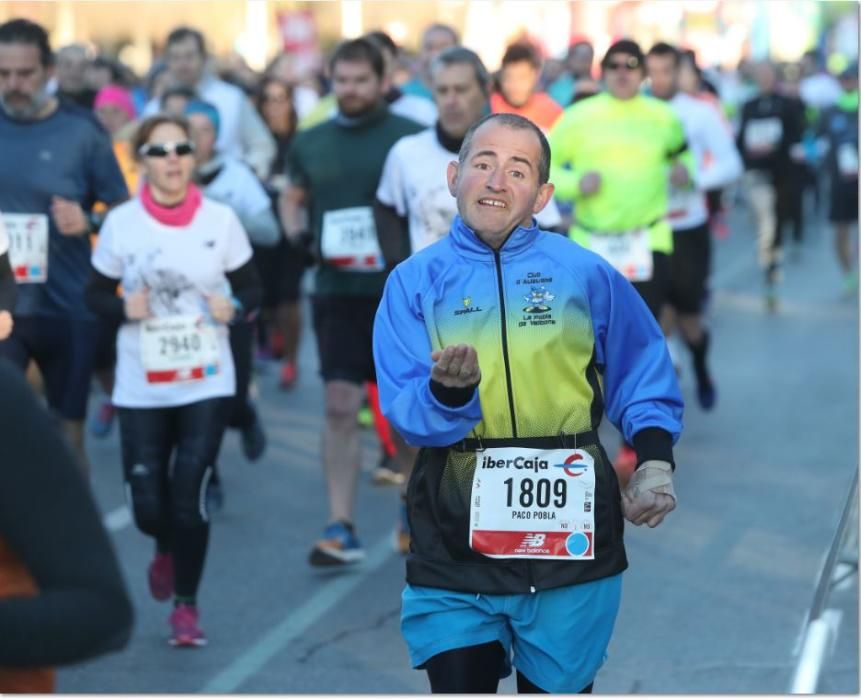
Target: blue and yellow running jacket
<point x="560" y="336"/>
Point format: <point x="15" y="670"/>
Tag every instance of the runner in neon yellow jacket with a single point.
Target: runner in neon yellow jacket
<point x="628" y="144"/>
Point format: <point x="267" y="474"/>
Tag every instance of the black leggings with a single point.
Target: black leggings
<point x="475" y="669"/>
<point x="168" y="455"/>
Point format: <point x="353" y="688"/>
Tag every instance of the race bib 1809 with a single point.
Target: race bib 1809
<point x="533" y="504"/>
<point x="28" y="246"/>
<point x="349" y="240"/>
<point x="629" y="252"/>
<point x="178" y="349"/>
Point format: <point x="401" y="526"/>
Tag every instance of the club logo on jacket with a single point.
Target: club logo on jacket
<point x="537" y="311"/>
<point x="537" y="300"/>
<point x="468" y="308"/>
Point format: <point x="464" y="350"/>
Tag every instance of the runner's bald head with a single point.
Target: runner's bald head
<point x="512" y="121"/>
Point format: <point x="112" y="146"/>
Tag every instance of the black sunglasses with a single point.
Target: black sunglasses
<point x="161" y="150"/>
<point x="630" y="63"/>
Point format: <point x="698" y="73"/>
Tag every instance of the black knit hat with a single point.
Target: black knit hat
<point x="625" y="46"/>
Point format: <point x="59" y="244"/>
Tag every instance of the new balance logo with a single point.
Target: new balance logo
<point x="533" y="540"/>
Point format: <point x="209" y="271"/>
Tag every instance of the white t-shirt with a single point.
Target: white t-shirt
<point x="715" y="155"/>
<point x="179" y="266"/>
<point x="414" y="184"/>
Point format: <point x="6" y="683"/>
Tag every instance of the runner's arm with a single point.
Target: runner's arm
<point x="678" y="150"/>
<point x="390" y="210"/>
<point x="254" y="208"/>
<point x="641" y="393"/>
<point x="726" y="166"/>
<point x="424" y="416"/>
<point x="392" y="233"/>
<point x="48" y="518"/>
<point x="247" y="288"/>
<point x="262" y="227"/>
<point x="100" y="295"/>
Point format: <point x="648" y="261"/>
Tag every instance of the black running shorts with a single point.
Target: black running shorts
<point x="65" y="350"/>
<point x="344" y="327"/>
<point x="689" y="269"/>
<point x="654" y="292"/>
<point x="280" y="268"/>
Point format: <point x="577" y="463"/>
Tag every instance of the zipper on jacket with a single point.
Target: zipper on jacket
<point x="529" y="576"/>
<point x="503" y="325"/>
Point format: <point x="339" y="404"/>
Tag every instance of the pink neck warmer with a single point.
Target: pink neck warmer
<point x="178" y="215"/>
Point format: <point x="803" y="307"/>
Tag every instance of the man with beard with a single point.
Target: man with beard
<point x="57" y="163"/>
<point x="334" y="169"/>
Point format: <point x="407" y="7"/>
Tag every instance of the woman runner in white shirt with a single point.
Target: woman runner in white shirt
<point x="177" y="255"/>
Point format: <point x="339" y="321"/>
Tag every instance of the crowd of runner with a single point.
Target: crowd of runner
<point x="156" y="234"/>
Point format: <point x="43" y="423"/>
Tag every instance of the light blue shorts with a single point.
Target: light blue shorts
<point x="558" y="637"/>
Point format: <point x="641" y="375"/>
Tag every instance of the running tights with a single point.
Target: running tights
<point x="475" y="669"/>
<point x="168" y="455"/>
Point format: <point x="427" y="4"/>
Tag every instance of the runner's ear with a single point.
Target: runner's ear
<point x="451" y="176"/>
<point x="545" y="192"/>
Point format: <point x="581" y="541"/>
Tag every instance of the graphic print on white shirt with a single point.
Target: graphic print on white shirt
<point x="179" y="267"/>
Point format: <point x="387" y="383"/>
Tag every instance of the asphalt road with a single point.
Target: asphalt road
<point x="714" y="600"/>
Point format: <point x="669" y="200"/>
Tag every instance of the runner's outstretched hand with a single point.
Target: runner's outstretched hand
<point x="456" y="366"/>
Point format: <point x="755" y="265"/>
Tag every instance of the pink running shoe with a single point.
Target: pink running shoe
<point x="160" y="575"/>
<point x="186" y="633"/>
